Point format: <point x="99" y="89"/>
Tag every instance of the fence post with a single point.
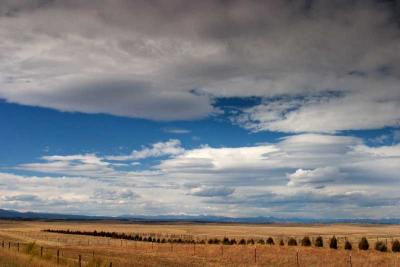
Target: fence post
<point x="255" y="255"/>
<point x="18" y="246"/>
<point x="58" y="256"/>
<point x="80" y="260"/>
<point x="350" y="263"/>
<point x="110" y="263"/>
<point x="297" y="259"/>
<point x="41" y="251"/>
<point x="2" y="243"/>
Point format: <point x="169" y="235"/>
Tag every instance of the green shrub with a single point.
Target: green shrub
<point x="363" y="245"/>
<point x="270" y="241"/>
<point x="242" y="242"/>
<point x="347" y="245"/>
<point x="396" y="246"/>
<point x="333" y="243"/>
<point x="306" y="242"/>
<point x="319" y="242"/>
<point x="292" y="242"/>
<point x="233" y="241"/>
<point x="281" y="243"/>
<point x="380" y="246"/>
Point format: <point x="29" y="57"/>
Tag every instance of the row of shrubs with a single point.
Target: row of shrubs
<point x="306" y="242"/>
<point x="333" y="244"/>
<point x="115" y="235"/>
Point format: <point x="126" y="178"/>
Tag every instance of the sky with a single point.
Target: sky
<point x="286" y="108"/>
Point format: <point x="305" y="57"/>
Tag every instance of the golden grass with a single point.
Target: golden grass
<point x="130" y="253"/>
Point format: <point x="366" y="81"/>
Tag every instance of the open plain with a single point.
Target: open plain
<point x="24" y="243"/>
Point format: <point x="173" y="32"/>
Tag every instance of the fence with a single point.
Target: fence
<point x="81" y="255"/>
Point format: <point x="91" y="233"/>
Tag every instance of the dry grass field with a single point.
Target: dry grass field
<point x="23" y="242"/>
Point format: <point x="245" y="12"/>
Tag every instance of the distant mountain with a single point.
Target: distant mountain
<point x="16" y="215"/>
<point x="254" y="220"/>
<point x="12" y="214"/>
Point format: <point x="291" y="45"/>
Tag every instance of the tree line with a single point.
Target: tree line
<point x="306" y="241"/>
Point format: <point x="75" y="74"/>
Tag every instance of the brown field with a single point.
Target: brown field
<point x="101" y="251"/>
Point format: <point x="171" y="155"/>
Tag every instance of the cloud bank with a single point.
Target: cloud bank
<point x="318" y="66"/>
<point x="301" y="175"/>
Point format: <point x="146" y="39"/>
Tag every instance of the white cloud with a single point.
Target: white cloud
<point x="323" y="114"/>
<point x="299" y="175"/>
<point x="171" y="147"/>
<point x="86" y="164"/>
<point x="316" y="177"/>
<point x="298" y="151"/>
<point x="177" y="131"/>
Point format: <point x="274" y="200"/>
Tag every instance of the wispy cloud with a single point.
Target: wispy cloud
<point x="177" y="131"/>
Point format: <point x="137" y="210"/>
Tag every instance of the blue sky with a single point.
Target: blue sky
<point x="262" y="108"/>
<point x="32" y="132"/>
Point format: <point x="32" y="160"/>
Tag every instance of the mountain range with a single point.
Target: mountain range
<point x="17" y="215"/>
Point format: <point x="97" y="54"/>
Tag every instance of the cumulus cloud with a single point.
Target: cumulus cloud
<point x="86" y="164"/>
<point x="314" y="177"/>
<point x="298" y="151"/>
<point x="321" y="114"/>
<point x="298" y="175"/>
<point x="101" y="166"/>
<point x="302" y="175"/>
<point x="171" y="147"/>
<point x="343" y="203"/>
<point x="73" y="194"/>
<point x="169" y="61"/>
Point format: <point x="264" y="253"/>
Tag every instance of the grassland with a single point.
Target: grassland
<point x="101" y="251"/>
